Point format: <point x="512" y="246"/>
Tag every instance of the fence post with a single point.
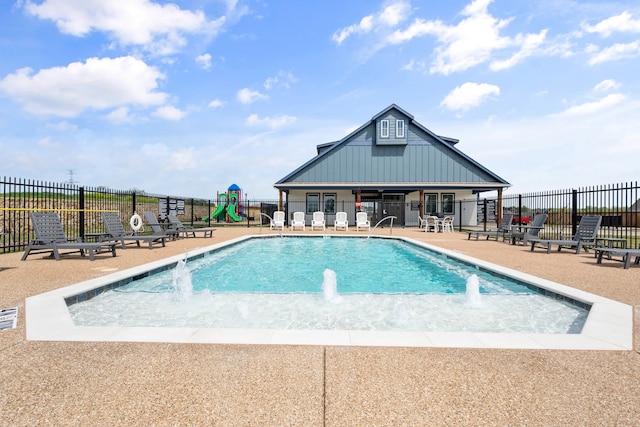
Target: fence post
<point x="193" y="214"/>
<point x="81" y="212"/>
<point x="484" y="215"/>
<point x="133" y="202"/>
<point x="520" y="208"/>
<point x="574" y="212"/>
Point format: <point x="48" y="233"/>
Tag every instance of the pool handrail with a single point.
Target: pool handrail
<point x="391" y="217"/>
<point x="270" y="222"/>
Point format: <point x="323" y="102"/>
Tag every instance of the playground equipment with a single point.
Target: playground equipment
<point x="228" y="202"/>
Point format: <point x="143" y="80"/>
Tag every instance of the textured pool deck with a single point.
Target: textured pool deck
<point x="129" y="383"/>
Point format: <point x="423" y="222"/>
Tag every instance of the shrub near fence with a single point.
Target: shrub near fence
<point x="80" y="209"/>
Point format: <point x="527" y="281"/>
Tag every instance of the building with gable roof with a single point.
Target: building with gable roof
<point x="391" y="165"/>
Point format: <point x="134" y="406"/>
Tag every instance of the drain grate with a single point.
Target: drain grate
<point x="8" y="318"/>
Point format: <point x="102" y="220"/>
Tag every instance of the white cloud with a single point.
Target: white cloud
<point x="169" y="112"/>
<point x="281" y="79"/>
<point x="97" y="84"/>
<point x="120" y="116"/>
<point x="469" y="95"/>
<point x="248" y="96"/>
<point x="270" y="122"/>
<point x="63" y="126"/>
<point x="615" y="52"/>
<point x="204" y="61"/>
<point x="390" y="16"/>
<point x="158" y="28"/>
<point x="606" y="85"/>
<point x="472" y="41"/>
<point x="623" y="23"/>
<point x="182" y="159"/>
<point x="529" y="45"/>
<point x="216" y="103"/>
<point x="594" y="106"/>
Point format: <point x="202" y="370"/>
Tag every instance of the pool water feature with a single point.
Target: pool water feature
<point x="330" y="306"/>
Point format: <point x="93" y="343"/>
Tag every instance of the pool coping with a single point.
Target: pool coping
<point x="609" y="325"/>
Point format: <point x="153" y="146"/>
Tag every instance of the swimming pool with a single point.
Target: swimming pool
<point x="391" y="322"/>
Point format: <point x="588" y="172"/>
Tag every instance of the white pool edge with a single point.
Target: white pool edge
<point x="609" y="325"/>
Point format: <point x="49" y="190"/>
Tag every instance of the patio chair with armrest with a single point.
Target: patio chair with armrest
<point x="277" y="223"/>
<point x="431" y="223"/>
<point x="362" y="221"/>
<point x="341" y="221"/>
<point x="318" y="220"/>
<point x="298" y="221"/>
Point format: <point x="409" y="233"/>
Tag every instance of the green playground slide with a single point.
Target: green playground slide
<point x="218" y="211"/>
<point x="231" y="210"/>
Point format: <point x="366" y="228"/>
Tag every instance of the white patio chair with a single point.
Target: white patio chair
<point x="431" y="224"/>
<point x="298" y="220"/>
<point x="362" y="221"/>
<point x="318" y="220"/>
<point x="278" y="221"/>
<point x="341" y="221"/>
<point x="447" y="224"/>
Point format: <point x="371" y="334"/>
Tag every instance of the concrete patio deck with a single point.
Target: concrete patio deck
<point x="100" y="383"/>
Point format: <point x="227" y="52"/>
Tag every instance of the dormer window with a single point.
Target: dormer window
<point x="399" y="128"/>
<point x="384" y="128"/>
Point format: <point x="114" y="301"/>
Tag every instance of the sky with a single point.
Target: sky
<point x="186" y="98"/>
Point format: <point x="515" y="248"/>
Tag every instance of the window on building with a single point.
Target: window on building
<point x="329" y="203"/>
<point x="448" y="204"/>
<point x="313" y="202"/>
<point x="430" y="203"/>
<point x="384" y="128"/>
<point x="399" y="128"/>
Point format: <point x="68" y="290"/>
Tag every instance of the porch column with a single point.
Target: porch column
<point x="421" y="204"/>
<point x="280" y="204"/>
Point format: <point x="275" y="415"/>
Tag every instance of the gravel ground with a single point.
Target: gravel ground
<point x="159" y="384"/>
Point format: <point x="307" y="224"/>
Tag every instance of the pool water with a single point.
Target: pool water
<point x="281" y="283"/>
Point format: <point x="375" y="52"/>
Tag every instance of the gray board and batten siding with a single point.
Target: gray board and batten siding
<point x="419" y="159"/>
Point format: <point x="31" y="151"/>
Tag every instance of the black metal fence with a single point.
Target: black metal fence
<point x="80" y="210"/>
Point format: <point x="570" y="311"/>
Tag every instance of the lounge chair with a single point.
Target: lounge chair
<point x="318" y="220"/>
<point x="341" y="221"/>
<point x="188" y="230"/>
<point x="277" y="223"/>
<point x="504" y="226"/>
<point x="626" y="254"/>
<point x="160" y="228"/>
<point x="585" y="236"/>
<point x="362" y="221"/>
<point x="298" y="221"/>
<point x="50" y="237"/>
<point x="115" y="231"/>
<point x="524" y="233"/>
